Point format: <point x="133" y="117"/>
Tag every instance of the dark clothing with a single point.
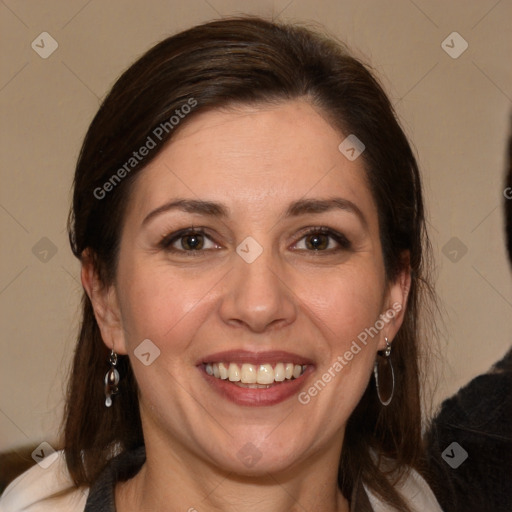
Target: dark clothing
<point x="120" y="468"/>
<point x="479" y="419"/>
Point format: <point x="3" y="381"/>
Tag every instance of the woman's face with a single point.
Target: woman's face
<point x="283" y="275"/>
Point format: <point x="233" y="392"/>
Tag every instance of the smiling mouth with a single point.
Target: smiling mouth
<point x="257" y="376"/>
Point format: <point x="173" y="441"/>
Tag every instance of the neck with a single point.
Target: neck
<point x="173" y="481"/>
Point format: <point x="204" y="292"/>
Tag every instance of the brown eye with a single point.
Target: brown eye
<point x="317" y="242"/>
<point x="323" y="239"/>
<point x="188" y="241"/>
<point x="192" y="242"/>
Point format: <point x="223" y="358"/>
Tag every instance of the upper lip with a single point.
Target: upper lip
<point x="246" y="356"/>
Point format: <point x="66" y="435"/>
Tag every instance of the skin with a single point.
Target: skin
<point x="256" y="160"/>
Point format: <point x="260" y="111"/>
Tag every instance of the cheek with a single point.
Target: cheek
<point x="344" y="311"/>
<point x="158" y="303"/>
<point x="345" y="302"/>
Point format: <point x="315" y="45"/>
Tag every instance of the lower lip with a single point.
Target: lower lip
<point x="255" y="397"/>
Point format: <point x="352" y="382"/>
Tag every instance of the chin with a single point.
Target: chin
<point x="258" y="466"/>
<point x="248" y="458"/>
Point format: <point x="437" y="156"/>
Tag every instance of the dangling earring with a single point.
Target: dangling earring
<point x="111" y="379"/>
<point x="384" y="376"/>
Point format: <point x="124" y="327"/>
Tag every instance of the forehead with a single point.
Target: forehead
<point x="257" y="159"/>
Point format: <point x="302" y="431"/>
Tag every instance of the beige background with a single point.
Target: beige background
<point x="456" y="112"/>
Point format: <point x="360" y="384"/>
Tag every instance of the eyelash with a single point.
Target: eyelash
<point x="167" y="242"/>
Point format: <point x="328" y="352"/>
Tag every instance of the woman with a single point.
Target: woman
<point x="249" y="218"/>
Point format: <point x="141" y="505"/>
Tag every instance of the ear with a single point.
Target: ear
<point x="105" y="304"/>
<point x="396" y="302"/>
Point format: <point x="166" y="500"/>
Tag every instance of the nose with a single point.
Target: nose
<point x="257" y="295"/>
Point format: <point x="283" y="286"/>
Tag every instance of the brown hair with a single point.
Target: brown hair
<point x="250" y="61"/>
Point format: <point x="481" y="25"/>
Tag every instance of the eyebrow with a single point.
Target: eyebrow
<point x="303" y="206"/>
<point x="295" y="209"/>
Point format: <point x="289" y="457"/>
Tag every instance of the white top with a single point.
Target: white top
<point x="414" y="489"/>
<point x="29" y="492"/>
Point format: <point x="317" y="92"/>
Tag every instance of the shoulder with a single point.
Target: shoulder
<point x="44" y="489"/>
<point x="415" y="491"/>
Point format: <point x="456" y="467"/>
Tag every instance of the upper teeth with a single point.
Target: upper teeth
<point x="255" y="374"/>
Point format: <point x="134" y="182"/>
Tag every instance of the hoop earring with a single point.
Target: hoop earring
<point x="384" y="376"/>
<point x="111" y="379"/>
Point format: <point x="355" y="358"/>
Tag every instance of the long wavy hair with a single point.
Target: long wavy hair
<point x="247" y="61"/>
